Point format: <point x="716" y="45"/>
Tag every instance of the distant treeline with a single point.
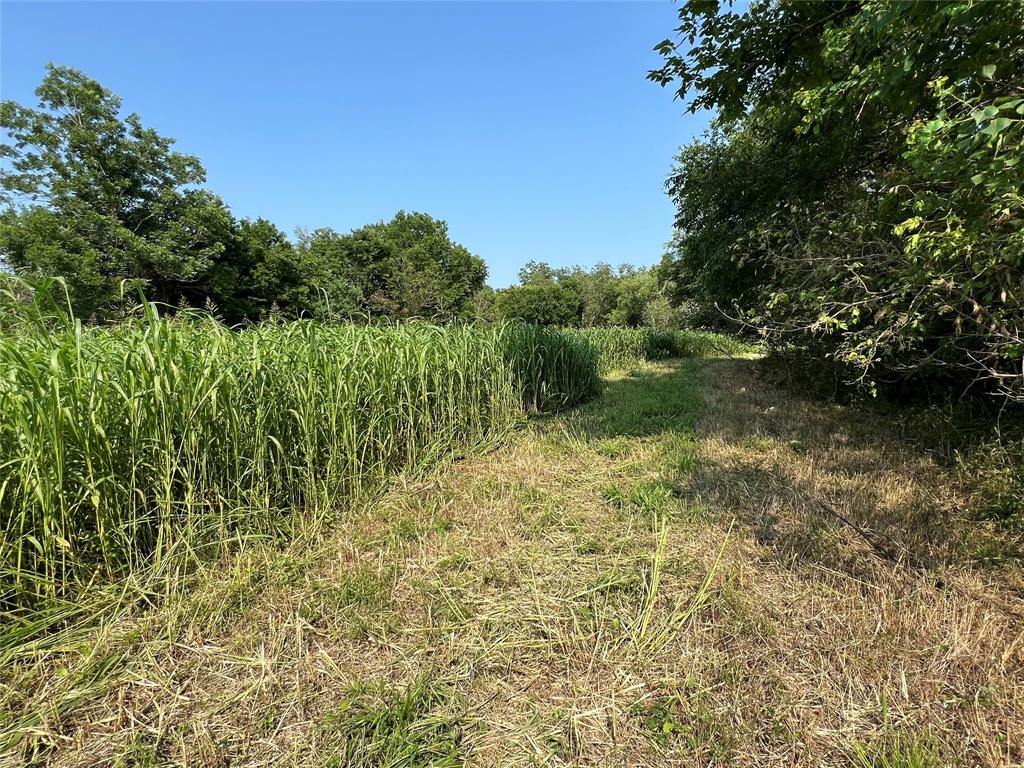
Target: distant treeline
<point x="574" y="297"/>
<point x="109" y="206"/>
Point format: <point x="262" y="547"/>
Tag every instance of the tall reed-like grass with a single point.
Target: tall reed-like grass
<point x="143" y="445"/>
<point x="626" y="347"/>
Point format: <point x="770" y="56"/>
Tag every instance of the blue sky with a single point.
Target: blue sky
<point x="529" y="127"/>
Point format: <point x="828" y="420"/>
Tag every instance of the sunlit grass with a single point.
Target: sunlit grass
<point x="623" y="348"/>
<point x="154" y="443"/>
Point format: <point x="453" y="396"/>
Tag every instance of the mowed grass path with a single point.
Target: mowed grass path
<point x="694" y="569"/>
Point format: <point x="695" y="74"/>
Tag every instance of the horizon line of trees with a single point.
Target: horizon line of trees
<point x="576" y="297"/>
<point x="107" y="205"/>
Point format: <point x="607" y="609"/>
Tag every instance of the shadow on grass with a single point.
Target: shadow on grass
<point x="812" y="482"/>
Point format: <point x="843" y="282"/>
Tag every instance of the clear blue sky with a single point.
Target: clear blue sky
<point x="529" y="127"/>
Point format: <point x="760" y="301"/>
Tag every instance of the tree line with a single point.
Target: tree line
<point x="860" y="196"/>
<point x="108" y="205"/>
<point x="575" y="297"/>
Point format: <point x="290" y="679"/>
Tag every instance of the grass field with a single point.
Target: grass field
<point x="141" y="448"/>
<point x="695" y="568"/>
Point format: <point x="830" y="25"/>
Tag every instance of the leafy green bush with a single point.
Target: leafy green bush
<point x="571" y="297"/>
<point x="861" y="197"/>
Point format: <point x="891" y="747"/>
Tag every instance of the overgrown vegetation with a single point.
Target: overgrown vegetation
<point x="861" y="195"/>
<point x="686" y="570"/>
<point x="623" y="348"/>
<point x="696" y="568"/>
<point x="575" y="297"/>
<point x="136" y="446"/>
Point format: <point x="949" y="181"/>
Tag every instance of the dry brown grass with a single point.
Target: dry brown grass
<point x="698" y="569"/>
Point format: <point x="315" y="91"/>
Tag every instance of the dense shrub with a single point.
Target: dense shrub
<point x="573" y="297"/>
<point x="861" y="197"/>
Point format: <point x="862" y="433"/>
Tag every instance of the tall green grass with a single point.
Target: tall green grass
<point x="144" y="445"/>
<point x="625" y="347"/>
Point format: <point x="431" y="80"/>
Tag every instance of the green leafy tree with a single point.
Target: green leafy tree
<point x="403" y="268"/>
<point x="257" y="274"/>
<point x="483" y="305"/>
<point x="573" y="296"/>
<point x="103" y="201"/>
<point x="541" y="304"/>
<point x="539" y="273"/>
<point x="109" y="206"/>
<point x="599" y="291"/>
<point x="860" y="196"/>
<point x="332" y="281"/>
<point x="635" y="291"/>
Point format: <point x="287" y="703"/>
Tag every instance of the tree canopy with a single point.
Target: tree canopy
<point x="109" y="206"/>
<point x="860" y="194"/>
<point x="107" y="200"/>
<point x="407" y="267"/>
<point x="576" y="297"/>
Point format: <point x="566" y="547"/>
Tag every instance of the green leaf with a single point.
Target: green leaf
<point x="981" y="115"/>
<point x="996" y="126"/>
<point x="988" y="71"/>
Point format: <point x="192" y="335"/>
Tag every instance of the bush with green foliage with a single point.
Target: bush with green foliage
<point x="861" y="196"/>
<point x="549" y="304"/>
<point x="403" y="268"/>
<point x="575" y="297"/>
